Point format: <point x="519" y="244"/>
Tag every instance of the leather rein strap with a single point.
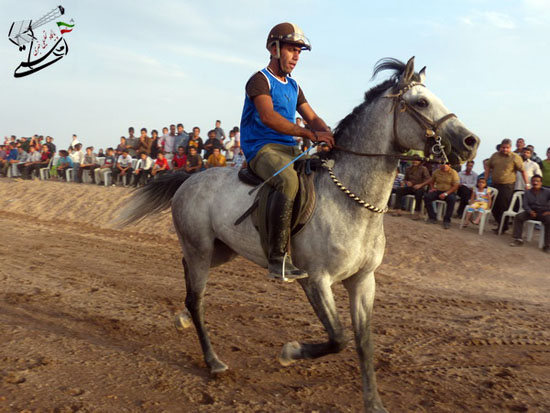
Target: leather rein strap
<point x="400" y="105"/>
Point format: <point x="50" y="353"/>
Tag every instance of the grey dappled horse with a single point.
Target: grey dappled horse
<point x="342" y="242"/>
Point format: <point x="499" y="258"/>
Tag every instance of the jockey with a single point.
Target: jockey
<point x="267" y="137"/>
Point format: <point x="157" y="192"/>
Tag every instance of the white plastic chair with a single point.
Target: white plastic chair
<point x="484" y="215"/>
<point x="69" y="174"/>
<point x="440" y="207"/>
<point x="45" y="172"/>
<point x="531" y="224"/>
<point x="107" y="177"/>
<point x="410" y="203"/>
<point x="517" y="197"/>
<point x="13" y="171"/>
<point x="101" y="161"/>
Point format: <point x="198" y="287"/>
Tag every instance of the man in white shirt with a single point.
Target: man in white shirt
<point x="168" y="142"/>
<point x="228" y="146"/>
<point x="531" y="169"/>
<point x="123" y="167"/>
<point x="78" y="157"/>
<point x="143" y="169"/>
<point x="27" y="165"/>
<point x="468" y="182"/>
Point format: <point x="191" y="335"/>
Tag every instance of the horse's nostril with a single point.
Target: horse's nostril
<point x="470" y="141"/>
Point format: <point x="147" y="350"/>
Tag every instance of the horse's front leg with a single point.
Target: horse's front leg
<point x="361" y="288"/>
<point x="321" y="298"/>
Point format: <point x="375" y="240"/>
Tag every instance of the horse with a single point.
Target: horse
<point x="398" y="114"/>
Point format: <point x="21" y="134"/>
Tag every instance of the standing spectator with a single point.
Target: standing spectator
<point x="468" y="182"/>
<point x="3" y="156"/>
<point x="132" y="143"/>
<point x="51" y="145"/>
<point x="195" y="141"/>
<point x="546" y="170"/>
<point x="143" y="169"/>
<point x="108" y="165"/>
<point x="534" y="156"/>
<point x="155" y="143"/>
<point x="488" y="179"/>
<point x="229" y="145"/>
<point x="74" y="142"/>
<point x="179" y="160"/>
<point x="415" y="180"/>
<point x="536" y="205"/>
<point x="502" y="167"/>
<point x="520" y="144"/>
<point x="89" y="164"/>
<point x="239" y="161"/>
<point x="78" y="157"/>
<point x="168" y="142"/>
<point x="100" y="153"/>
<point x="211" y="143"/>
<point x="145" y="142"/>
<point x="216" y="159"/>
<point x="160" y="166"/>
<point x="443" y="185"/>
<point x="220" y="134"/>
<point x="123" y="167"/>
<point x="32" y="158"/>
<point x="531" y="169"/>
<point x="181" y="138"/>
<point x="25" y="144"/>
<point x="121" y="147"/>
<point x="63" y="163"/>
<point x="194" y="161"/>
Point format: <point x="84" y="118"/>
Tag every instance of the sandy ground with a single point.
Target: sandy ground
<point x="86" y="319"/>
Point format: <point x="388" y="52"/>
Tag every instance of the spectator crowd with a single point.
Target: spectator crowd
<point x="136" y="160"/>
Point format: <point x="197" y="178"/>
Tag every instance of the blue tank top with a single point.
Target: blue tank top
<point x="254" y="134"/>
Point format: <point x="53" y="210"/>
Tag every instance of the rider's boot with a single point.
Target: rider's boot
<point x="279" y="216"/>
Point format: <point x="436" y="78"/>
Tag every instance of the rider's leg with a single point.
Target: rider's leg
<point x="265" y="164"/>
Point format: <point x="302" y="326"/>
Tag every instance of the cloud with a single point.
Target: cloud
<point x="491" y="18"/>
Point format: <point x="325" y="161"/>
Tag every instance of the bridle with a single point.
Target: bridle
<point x="434" y="144"/>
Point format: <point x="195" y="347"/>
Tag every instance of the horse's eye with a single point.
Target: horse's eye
<point x="422" y="103"/>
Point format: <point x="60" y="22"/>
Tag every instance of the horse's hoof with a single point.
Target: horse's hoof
<point x="218" y="367"/>
<point x="183" y="320"/>
<point x="290" y="353"/>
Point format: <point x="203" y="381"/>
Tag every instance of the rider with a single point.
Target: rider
<point x="267" y="137"/>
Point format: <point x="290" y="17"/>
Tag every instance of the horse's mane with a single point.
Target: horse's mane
<point x="387" y="63"/>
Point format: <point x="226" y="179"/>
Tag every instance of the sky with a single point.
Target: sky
<point x="151" y="64"/>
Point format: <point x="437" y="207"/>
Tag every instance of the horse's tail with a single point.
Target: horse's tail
<point x="152" y="198"/>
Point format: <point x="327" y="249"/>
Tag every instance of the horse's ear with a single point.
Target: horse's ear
<point x="408" y="73"/>
<point x="422" y="74"/>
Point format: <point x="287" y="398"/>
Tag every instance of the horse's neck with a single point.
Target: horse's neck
<point x="370" y="178"/>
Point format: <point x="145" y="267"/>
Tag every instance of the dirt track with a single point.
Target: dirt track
<point x="86" y="321"/>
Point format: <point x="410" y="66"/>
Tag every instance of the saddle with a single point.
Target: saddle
<point x="304" y="203"/>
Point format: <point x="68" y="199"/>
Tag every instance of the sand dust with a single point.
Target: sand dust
<point x="86" y="319"/>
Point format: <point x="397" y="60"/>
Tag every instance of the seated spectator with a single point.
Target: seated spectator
<point x="480" y="202"/>
<point x="63" y="163"/>
<point x="90" y="164"/>
<point x="143" y="169"/>
<point x="443" y="186"/>
<point x="108" y="165"/>
<point x="123" y="167"/>
<point x="3" y="156"/>
<point x="216" y="159"/>
<point x="194" y="161"/>
<point x="78" y="158"/>
<point x="11" y="158"/>
<point x="468" y="182"/>
<point x="45" y="157"/>
<point x="195" y="141"/>
<point x="211" y="143"/>
<point x="546" y="170"/>
<point x="145" y="142"/>
<point x="160" y="166"/>
<point x="26" y="167"/>
<point x="179" y="160"/>
<point x="536" y="204"/>
<point x="121" y="146"/>
<point x="239" y="161"/>
<point x="531" y="169"/>
<point x="414" y="183"/>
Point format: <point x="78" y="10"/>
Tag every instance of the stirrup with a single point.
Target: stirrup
<point x="289" y="277"/>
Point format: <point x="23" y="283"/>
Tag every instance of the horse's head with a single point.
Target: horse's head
<point x="421" y="120"/>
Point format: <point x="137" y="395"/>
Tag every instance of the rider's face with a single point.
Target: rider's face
<point x="290" y="55"/>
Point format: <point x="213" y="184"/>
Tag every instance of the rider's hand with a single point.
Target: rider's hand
<point x="326" y="137"/>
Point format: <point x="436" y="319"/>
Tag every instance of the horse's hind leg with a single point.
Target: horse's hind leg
<point x="196" y="275"/>
<point x="321" y="298"/>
